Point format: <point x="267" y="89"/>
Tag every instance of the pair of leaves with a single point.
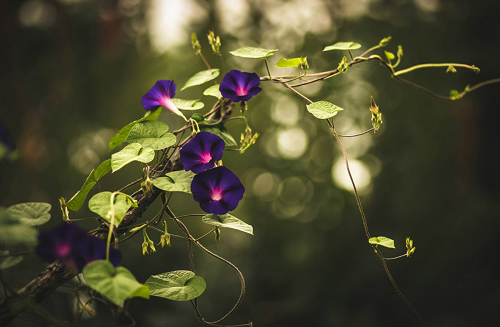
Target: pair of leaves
<point x="17" y="221"/>
<point x="122" y="135"/>
<point x="116" y="284"/>
<point x="180" y="285"/>
<point x="101" y="205"/>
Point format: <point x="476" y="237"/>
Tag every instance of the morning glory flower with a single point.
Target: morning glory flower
<point x="217" y="190"/>
<point x="161" y="94"/>
<point x="71" y="244"/>
<point x="240" y="86"/>
<point x="202" y="152"/>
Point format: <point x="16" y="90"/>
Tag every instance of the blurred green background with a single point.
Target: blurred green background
<point x="72" y="73"/>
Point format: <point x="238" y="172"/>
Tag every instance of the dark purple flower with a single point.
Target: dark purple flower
<point x="239" y="86"/>
<point x="161" y="94"/>
<point x="71" y="244"/>
<point x="217" y="190"/>
<point x="202" y="152"/>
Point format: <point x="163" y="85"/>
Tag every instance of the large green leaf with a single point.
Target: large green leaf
<point x="76" y="202"/>
<point x="188" y="104"/>
<point x="221" y="131"/>
<point x="213" y="91"/>
<point x="176" y="181"/>
<point x="123" y="133"/>
<point x="382" y="241"/>
<point x="101" y="205"/>
<point x="323" y="109"/>
<point x="180" y="285"/>
<point x="9" y="261"/>
<point x="227" y="221"/>
<point x="343" y="46"/>
<point x="14" y="231"/>
<point x="253" y="53"/>
<point x="151" y="134"/>
<point x="116" y="284"/>
<point x="294" y="62"/>
<point x="132" y="152"/>
<point x="202" y="77"/>
<point x="31" y="213"/>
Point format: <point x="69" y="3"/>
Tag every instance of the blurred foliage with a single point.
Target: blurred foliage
<point x="73" y="72"/>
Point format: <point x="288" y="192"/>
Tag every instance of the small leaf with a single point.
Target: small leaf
<point x="389" y="55"/>
<point x="188" y="104"/>
<point x="176" y="181"/>
<point x="323" y="109"/>
<point x="116" y="284"/>
<point x="382" y="241"/>
<point x="384" y="41"/>
<point x="455" y="95"/>
<point x="101" y="205"/>
<point x="221" y="131"/>
<point x="343" y="46"/>
<point x="201" y="78"/>
<point x="121" y="136"/>
<point x="180" y="285"/>
<point x="253" y="53"/>
<point x="132" y="152"/>
<point x="151" y="134"/>
<point x="227" y="221"/>
<point x="10" y="261"/>
<point x="451" y="69"/>
<point x="31" y="213"/>
<point x="76" y="202"/>
<point x="294" y="62"/>
<point x="14" y="231"/>
<point x="213" y="91"/>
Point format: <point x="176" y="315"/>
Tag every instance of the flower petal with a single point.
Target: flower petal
<point x="240" y="86"/>
<point x="202" y="152"/>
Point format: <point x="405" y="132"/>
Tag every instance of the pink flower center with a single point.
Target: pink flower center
<point x="241" y="91"/>
<point x="216" y="195"/>
<point x="206" y="157"/>
<point x="63" y="250"/>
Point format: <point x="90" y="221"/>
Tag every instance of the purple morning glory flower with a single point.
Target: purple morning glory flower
<point x="218" y="190"/>
<point x="71" y="244"/>
<point x="239" y="86"/>
<point x="202" y="152"/>
<point x="161" y="94"/>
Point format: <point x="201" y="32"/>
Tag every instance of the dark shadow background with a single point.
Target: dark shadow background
<point x="72" y="73"/>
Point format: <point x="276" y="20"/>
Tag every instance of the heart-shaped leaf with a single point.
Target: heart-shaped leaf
<point x="76" y="202"/>
<point x="180" y="285"/>
<point x="176" y="181"/>
<point x="382" y="241"/>
<point x="213" y="91"/>
<point x="14" y="231"/>
<point x="188" y="104"/>
<point x="323" y="109"/>
<point x="9" y="261"/>
<point x="122" y="135"/>
<point x="132" y="152"/>
<point x="101" y="205"/>
<point x="116" y="284"/>
<point x="151" y="134"/>
<point x="294" y="62"/>
<point x="343" y="46"/>
<point x="202" y="77"/>
<point x="253" y="53"/>
<point x="227" y="221"/>
<point x="31" y="213"/>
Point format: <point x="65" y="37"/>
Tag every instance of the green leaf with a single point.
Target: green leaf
<point x="121" y="136"/>
<point x="151" y="134"/>
<point x="31" y="213"/>
<point x="451" y="69"/>
<point x="384" y="41"/>
<point x="213" y="91"/>
<point x="294" y="62"/>
<point x="76" y="202"/>
<point x="14" y="231"/>
<point x="343" y="46"/>
<point x="455" y="95"/>
<point x="176" y="181"/>
<point x="101" y="205"/>
<point x="201" y="78"/>
<point x="221" y="131"/>
<point x="132" y="152"/>
<point x="10" y="261"/>
<point x="116" y="284"/>
<point x="323" y="109"/>
<point x="253" y="53"/>
<point x="179" y="285"/>
<point x="227" y="221"/>
<point x="188" y="104"/>
<point x="389" y="55"/>
<point x="382" y="241"/>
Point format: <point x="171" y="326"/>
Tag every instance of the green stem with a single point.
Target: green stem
<point x="267" y="67"/>
<point x="407" y="70"/>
